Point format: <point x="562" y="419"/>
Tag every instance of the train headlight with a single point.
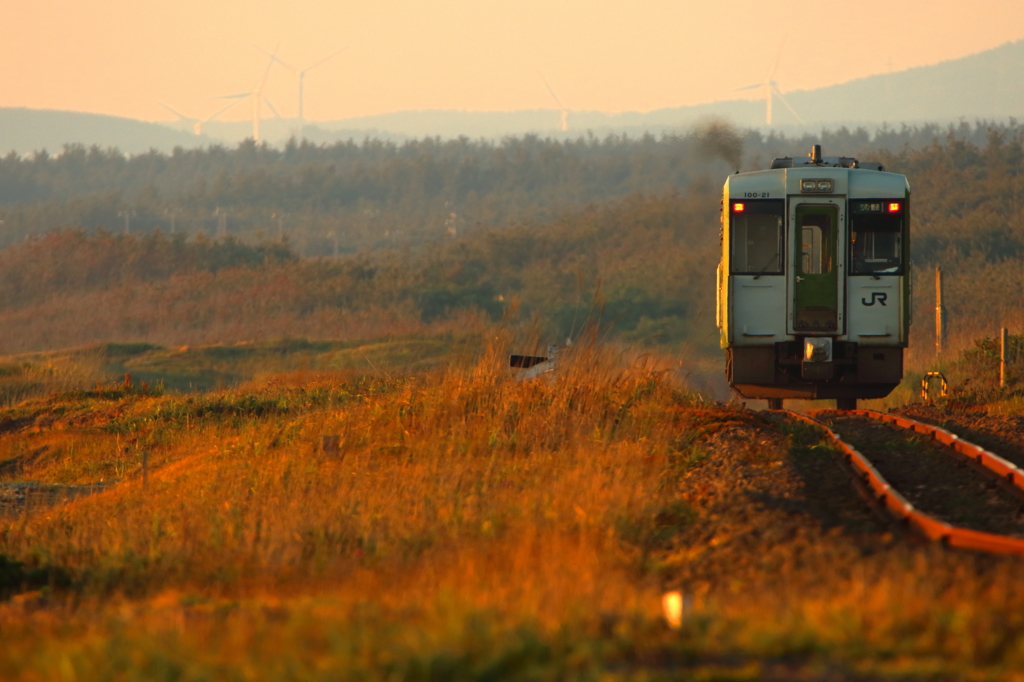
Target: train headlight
<point x="818" y="350"/>
<point x="893" y="207"/>
<point x="819" y="185"/>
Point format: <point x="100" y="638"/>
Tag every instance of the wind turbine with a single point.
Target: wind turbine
<point x="563" y="121"/>
<point x="771" y="90"/>
<point x="257" y="100"/>
<point x="197" y="125"/>
<point x="301" y="73"/>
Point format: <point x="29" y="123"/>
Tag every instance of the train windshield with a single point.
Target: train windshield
<point x="876" y="244"/>
<point x="816" y="237"/>
<point x="757" y="231"/>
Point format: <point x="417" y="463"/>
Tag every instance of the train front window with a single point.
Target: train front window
<point x="816" y="235"/>
<point x="757" y="232"/>
<point x="876" y="244"/>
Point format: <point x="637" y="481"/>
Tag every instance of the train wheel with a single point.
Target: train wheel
<point x="846" y="403"/>
<point x="774" y="403"/>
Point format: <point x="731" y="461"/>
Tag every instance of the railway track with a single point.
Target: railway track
<point x="939" y="484"/>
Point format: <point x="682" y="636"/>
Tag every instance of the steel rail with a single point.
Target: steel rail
<point x="901" y="509"/>
<point x="990" y="460"/>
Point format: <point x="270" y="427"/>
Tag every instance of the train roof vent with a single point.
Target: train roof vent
<point x="816" y="159"/>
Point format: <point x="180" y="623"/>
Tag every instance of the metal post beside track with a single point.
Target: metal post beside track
<point x="1003" y="343"/>
<point x="940" y="314"/>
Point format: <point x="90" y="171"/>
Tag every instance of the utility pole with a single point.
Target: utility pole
<point x="1004" y="342"/>
<point x="126" y="214"/>
<point x="222" y="222"/>
<point x="940" y="314"/>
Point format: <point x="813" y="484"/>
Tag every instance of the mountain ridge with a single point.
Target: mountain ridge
<point x="977" y="86"/>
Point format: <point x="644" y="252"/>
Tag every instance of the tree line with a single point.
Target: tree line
<point x="353" y="196"/>
<point x="642" y="263"/>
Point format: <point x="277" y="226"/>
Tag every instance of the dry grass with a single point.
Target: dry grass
<point x="459" y="490"/>
<point x="472" y="527"/>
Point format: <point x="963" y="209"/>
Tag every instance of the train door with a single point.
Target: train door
<point x="817" y="269"/>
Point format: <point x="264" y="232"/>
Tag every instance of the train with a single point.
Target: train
<point x="814" y="281"/>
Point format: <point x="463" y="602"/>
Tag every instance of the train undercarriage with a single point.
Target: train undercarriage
<point x="783" y="371"/>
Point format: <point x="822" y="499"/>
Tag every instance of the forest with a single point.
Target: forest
<point x="378" y="239"/>
<point x="354" y="196"/>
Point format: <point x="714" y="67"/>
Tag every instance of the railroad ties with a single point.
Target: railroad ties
<point x="897" y="504"/>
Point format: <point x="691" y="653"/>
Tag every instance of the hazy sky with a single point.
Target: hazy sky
<point x="122" y="57"/>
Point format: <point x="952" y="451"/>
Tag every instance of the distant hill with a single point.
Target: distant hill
<point x="29" y="130"/>
<point x="986" y="85"/>
<point x="980" y="86"/>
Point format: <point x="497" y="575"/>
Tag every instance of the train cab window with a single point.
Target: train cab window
<point x="876" y="242"/>
<point x="817" y="235"/>
<point x="756" y="228"/>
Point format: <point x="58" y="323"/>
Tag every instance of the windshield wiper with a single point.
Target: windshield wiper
<point x="773" y="258"/>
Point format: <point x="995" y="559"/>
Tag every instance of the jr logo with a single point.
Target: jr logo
<point x="876" y="297"/>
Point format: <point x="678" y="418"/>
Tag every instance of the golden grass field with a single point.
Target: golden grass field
<point x="470" y="527"/>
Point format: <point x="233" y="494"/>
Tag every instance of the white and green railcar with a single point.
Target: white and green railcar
<point x="814" y="281"/>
